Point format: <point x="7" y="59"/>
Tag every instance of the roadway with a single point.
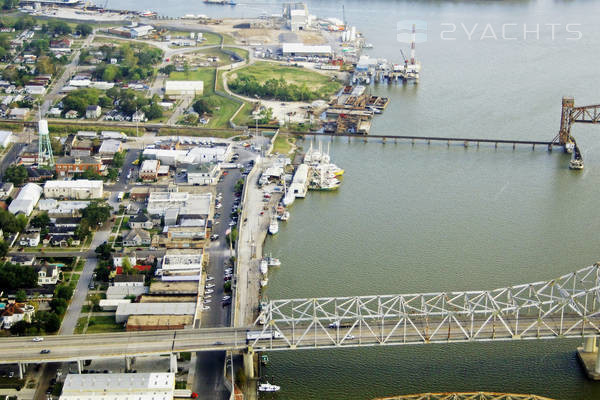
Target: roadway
<point x="131" y="344"/>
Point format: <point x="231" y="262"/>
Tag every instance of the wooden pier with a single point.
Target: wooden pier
<point x="466" y="142"/>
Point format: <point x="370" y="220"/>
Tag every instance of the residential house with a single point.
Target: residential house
<point x="129" y="280"/>
<point x="138" y="116"/>
<point x="30" y="239"/>
<point x="93" y="112"/>
<point x="18" y="113"/>
<point x="23" y="260"/>
<point x="62" y="43"/>
<point x="136" y="237"/>
<point x="6" y="189"/>
<point x="16" y="312"/>
<point x="140" y="221"/>
<point x="119" y="257"/>
<point x="47" y="275"/>
<point x="71" y="114"/>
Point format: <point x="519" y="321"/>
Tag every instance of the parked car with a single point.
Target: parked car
<point x="38" y="339"/>
<point x="45" y="351"/>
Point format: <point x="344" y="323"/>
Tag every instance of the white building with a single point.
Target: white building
<point x="125" y="310"/>
<point x="149" y="170"/>
<point x="185" y="203"/>
<point x="120" y="257"/>
<point x="141" y="31"/>
<point x="184" y="88"/>
<point x="26" y="200"/>
<point x="16" y="312"/>
<point x="110" y="147"/>
<point x="112" y="304"/>
<point x="129" y="280"/>
<point x="300" y="49"/>
<point x="138" y="386"/>
<point x="47" y="275"/>
<point x="77" y="189"/>
<point x="204" y="174"/>
<point x="120" y="292"/>
<point x="5" y="138"/>
<point x="29" y="239"/>
<point x="195" y="155"/>
<point x="62" y="208"/>
<point x="182" y="260"/>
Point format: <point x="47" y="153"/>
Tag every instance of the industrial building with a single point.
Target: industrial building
<point x="5" y="138"/>
<point x="196" y="155"/>
<point x="120" y="292"/>
<point x="203" y="174"/>
<point x="149" y="170"/>
<point x="119" y="386"/>
<point x="26" y="200"/>
<point x="297" y="17"/>
<point x="79" y="189"/>
<point x="184" y="88"/>
<point x="182" y="260"/>
<point x="185" y="203"/>
<point x="303" y="50"/>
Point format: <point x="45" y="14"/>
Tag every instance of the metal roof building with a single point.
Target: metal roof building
<point x="138" y="386"/>
<point x="26" y="200"/>
<point x="125" y="310"/>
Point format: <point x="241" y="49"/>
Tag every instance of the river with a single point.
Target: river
<point x="432" y="218"/>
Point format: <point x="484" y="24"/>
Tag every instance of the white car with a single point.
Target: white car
<point x="38" y="339"/>
<point x="225" y="298"/>
<point x="208" y="296"/>
<point x="218" y="206"/>
<point x="350" y="337"/>
<point x="207" y="301"/>
<point x="205" y="308"/>
<point x="209" y="278"/>
<point x="209" y="291"/>
<point x="210" y="286"/>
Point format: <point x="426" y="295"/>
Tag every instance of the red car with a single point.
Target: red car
<point x="225" y="173"/>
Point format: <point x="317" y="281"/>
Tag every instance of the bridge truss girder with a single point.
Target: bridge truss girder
<point x="564" y="307"/>
<point x="571" y="114"/>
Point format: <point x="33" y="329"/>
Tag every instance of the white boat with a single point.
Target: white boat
<point x="285" y="216"/>
<point x="576" y="161"/>
<point x="368" y="45"/>
<point x="272" y="261"/>
<point x="264" y="282"/>
<point x="264" y="266"/>
<point x="274" y="226"/>
<point x="267" y="387"/>
<point x="569" y="146"/>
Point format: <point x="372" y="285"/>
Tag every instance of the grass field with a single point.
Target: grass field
<point x="264" y="71"/>
<point x="283" y="144"/>
<point x="243" y="53"/>
<point x="104" y="324"/>
<point x="226" y="107"/>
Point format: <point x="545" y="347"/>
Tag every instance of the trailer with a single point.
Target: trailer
<point x="260" y="335"/>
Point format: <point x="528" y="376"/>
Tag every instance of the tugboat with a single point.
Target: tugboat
<point x="267" y="387"/>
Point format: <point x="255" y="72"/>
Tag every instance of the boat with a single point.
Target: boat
<point x="264" y="266"/>
<point x="264" y="359"/>
<point x="329" y="184"/>
<point x="569" y="146"/>
<point x="368" y="45"/>
<point x="284" y="216"/>
<point x="264" y="282"/>
<point x="267" y="387"/>
<point x="576" y="162"/>
<point x="273" y="226"/>
<point x="272" y="261"/>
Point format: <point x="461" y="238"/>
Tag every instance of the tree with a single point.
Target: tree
<point x="113" y="174"/>
<point x="21" y="296"/>
<point x="58" y="305"/>
<point x="95" y="301"/>
<point x="19" y="328"/>
<point x="91" y="174"/>
<point x="40" y="220"/>
<point x="84" y="29"/>
<point x="52" y="323"/>
<point x="17" y="174"/>
<point x="232" y="237"/>
<point x="118" y="159"/>
<point x="104" y="251"/>
<point x="17" y="277"/>
<point x="102" y="272"/>
<point x="127" y="267"/>
<point x="239" y="186"/>
<point x="44" y="65"/>
<point x="3" y="248"/>
<point x="96" y="213"/>
<point x="153" y="111"/>
<point x="63" y="292"/>
<point x="204" y="106"/>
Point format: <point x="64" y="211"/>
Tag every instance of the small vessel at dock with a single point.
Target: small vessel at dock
<point x="272" y="261"/>
<point x="267" y="387"/>
<point x="264" y="282"/>
<point x="274" y="226"/>
<point x="576" y="162"/>
<point x="284" y="216"/>
<point x="264" y="266"/>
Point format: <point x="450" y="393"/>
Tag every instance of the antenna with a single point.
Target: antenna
<point x="344" y="16"/>
<point x="412" y="44"/>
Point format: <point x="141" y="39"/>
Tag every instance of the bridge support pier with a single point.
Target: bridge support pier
<point x="129" y="363"/>
<point x="589" y="345"/>
<point x="21" y="370"/>
<point x="173" y="364"/>
<point x="249" y="363"/>
<point x="79" y="366"/>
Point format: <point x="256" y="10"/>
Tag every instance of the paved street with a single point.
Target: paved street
<point x="80" y="294"/>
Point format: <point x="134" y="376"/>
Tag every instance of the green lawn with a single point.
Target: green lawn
<point x="226" y="107"/>
<point x="282" y="144"/>
<point x="80" y="325"/>
<point x="104" y="324"/>
<point x="264" y="71"/>
<point x="243" y="53"/>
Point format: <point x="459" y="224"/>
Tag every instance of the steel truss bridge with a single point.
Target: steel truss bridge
<point x="466" y="396"/>
<point x="565" y="307"/>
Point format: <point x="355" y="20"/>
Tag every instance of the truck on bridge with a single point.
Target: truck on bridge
<point x="258" y="335"/>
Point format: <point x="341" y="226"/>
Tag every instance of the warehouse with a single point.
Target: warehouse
<point x="124" y="311"/>
<point x="26" y="200"/>
<point x="299" y="49"/>
<point x="184" y="88"/>
<point x="118" y="386"/>
<point x="79" y="189"/>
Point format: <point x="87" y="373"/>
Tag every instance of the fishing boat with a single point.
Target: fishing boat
<point x="274" y="226"/>
<point x="264" y="266"/>
<point x="267" y="387"/>
<point x="337" y="171"/>
<point x="329" y="184"/>
<point x="264" y="282"/>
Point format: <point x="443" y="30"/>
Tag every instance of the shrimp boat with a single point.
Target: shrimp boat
<point x="576" y="162"/>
